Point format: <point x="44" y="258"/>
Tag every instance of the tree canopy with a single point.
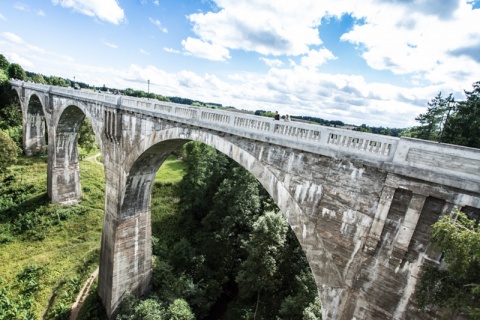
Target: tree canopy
<point x="9" y="151"/>
<point x="15" y="71"/>
<point x="456" y="286"/>
<point x="450" y="121"/>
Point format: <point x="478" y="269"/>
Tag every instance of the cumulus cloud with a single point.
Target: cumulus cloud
<point x="316" y="58"/>
<point x="206" y="50"/>
<point x="272" y="62"/>
<point x="416" y="37"/>
<point x="144" y="52"/>
<point x="41" y="13"/>
<point x="107" y="10"/>
<point x="270" y="28"/>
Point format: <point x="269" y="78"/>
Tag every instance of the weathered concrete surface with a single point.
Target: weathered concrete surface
<point x="361" y="205"/>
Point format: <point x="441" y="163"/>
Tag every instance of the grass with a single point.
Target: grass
<point x="61" y="242"/>
<point x="171" y="171"/>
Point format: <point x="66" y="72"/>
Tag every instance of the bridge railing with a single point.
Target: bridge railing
<point x="308" y="137"/>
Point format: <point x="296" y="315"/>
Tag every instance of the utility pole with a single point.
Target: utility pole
<point x="148" y="89"/>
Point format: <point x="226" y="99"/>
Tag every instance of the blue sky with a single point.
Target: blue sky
<point x="376" y="62"/>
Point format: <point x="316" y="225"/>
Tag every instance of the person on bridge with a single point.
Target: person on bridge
<point x="287" y="118"/>
<point x="277" y="116"/>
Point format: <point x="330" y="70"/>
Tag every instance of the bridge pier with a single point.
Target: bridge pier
<point x="125" y="259"/>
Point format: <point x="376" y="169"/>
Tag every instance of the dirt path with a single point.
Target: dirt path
<point x="94" y="158"/>
<point x="82" y="295"/>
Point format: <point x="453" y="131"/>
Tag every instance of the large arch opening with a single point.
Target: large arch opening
<point x="138" y="199"/>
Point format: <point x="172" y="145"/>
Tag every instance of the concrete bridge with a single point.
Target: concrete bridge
<point x="361" y="205"/>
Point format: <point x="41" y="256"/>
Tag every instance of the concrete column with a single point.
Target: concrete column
<point x="126" y="259"/>
<point x="405" y="233"/>
<point x="379" y="221"/>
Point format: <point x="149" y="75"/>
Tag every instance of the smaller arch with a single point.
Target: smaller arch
<point x="63" y="163"/>
<point x="35" y="126"/>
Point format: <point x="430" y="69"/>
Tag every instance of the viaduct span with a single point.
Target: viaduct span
<point x="361" y="205"/>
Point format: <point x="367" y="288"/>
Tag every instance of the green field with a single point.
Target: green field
<point x="48" y="251"/>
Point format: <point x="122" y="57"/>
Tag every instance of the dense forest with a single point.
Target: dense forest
<point x="221" y="248"/>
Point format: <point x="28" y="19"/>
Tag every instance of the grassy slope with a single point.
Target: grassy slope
<point x="65" y="242"/>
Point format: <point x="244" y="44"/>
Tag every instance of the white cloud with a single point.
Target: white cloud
<point x="202" y="49"/>
<point x="158" y="23"/>
<point x="107" y="10"/>
<point x="2" y="17"/>
<point x="407" y="39"/>
<point x="316" y="58"/>
<point x="144" y="52"/>
<point x="21" y="6"/>
<point x="41" y="13"/>
<point x="272" y="62"/>
<point x="109" y="44"/>
<point x="266" y="27"/>
<point x="171" y="50"/>
<point x="12" y="37"/>
<point x="13" y="57"/>
<point x="155" y="2"/>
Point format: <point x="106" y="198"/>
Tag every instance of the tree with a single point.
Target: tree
<point x="257" y="273"/>
<point x="463" y="126"/>
<point x="9" y="151"/>
<point x="433" y="121"/>
<point x="3" y="63"/>
<point x="457" y="286"/>
<point x="15" y="71"/>
<point x="38" y="78"/>
<point x="86" y="137"/>
<point x="179" y="310"/>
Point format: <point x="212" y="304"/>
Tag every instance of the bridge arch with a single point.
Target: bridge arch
<point x="34" y="122"/>
<point x="63" y="165"/>
<point x="141" y="166"/>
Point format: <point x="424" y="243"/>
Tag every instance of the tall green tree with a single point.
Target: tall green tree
<point x="15" y="71"/>
<point x="8" y="150"/>
<point x="86" y="137"/>
<point x="456" y="287"/>
<point x="258" y="273"/>
<point x="463" y="126"/>
<point x="38" y="78"/>
<point x="433" y="121"/>
<point x="4" y="63"/>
